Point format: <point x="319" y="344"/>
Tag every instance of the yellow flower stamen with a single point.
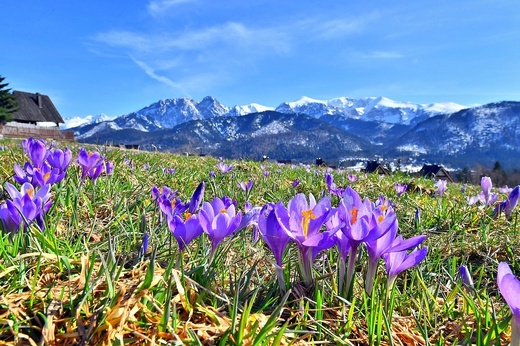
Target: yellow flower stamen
<point x="380" y="218"/>
<point x="30" y="192"/>
<point x="187" y="215"/>
<point x="308" y="215"/>
<point x="46" y="176"/>
<point x="354" y="213"/>
<point x="223" y="211"/>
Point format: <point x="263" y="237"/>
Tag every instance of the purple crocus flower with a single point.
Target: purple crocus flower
<point x="46" y="175"/>
<point x="466" y="278"/>
<point x="25" y="174"/>
<point x="441" y="187"/>
<point x="352" y="178"/>
<point x="485" y="197"/>
<point x="486" y="185"/>
<point x="91" y="164"/>
<point x="295" y="183"/>
<point x="275" y="236"/>
<point x="94" y="173"/>
<point x="196" y="198"/>
<point x="224" y="168"/>
<point x="246" y="187"/>
<point x="144" y="246"/>
<point x="212" y="174"/>
<point x="218" y="220"/>
<point x="509" y="286"/>
<point x="302" y="221"/>
<point x="185" y="230"/>
<point x="360" y="225"/>
<point x="377" y="247"/>
<point x="46" y="167"/>
<point x="10" y="218"/>
<point x="329" y="180"/>
<point x="417" y="216"/>
<point x="36" y="150"/>
<point x="162" y="193"/>
<point x="397" y="262"/>
<point x="505" y="189"/>
<point x="388" y="242"/>
<point x="26" y="206"/>
<point x="60" y="159"/>
<point x="266" y="174"/>
<point x="331" y="186"/>
<point x="109" y="167"/>
<point x="400" y="188"/>
<point x="509" y="204"/>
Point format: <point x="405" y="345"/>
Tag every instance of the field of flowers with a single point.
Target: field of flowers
<point x="104" y="246"/>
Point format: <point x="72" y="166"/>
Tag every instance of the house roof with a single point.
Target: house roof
<point x="35" y="108"/>
<point x="374" y="166"/>
<point x="435" y="171"/>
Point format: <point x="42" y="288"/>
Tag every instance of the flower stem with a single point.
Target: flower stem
<point x="350" y="270"/>
<point x="371" y="275"/>
<point x="281" y="280"/>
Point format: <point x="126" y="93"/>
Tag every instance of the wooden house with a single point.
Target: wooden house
<point x="33" y="111"/>
<point x="435" y="172"/>
<point x="376" y="167"/>
<point x="35" y="108"/>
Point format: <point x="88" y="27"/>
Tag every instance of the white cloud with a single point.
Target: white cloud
<point x="230" y="34"/>
<point x="126" y="39"/>
<point x="334" y="28"/>
<point x="216" y="54"/>
<point x="158" y="7"/>
<point x="150" y="72"/>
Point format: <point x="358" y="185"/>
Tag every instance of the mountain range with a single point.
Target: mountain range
<point x="340" y="130"/>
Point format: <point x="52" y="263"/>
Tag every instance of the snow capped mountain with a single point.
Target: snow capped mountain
<point x="172" y="112"/>
<point x="438" y="132"/>
<point x="248" y="109"/>
<point x="379" y="109"/>
<point x="308" y="106"/>
<point x="480" y="134"/>
<point x="89" y="119"/>
<point x="169" y="113"/>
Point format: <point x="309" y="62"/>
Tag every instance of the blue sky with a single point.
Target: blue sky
<point x="116" y="56"/>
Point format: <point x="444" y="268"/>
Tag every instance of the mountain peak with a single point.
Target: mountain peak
<point x="305" y="100"/>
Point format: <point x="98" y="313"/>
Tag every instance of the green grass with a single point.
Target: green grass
<point x="82" y="280"/>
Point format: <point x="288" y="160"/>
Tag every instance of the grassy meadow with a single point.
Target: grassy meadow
<point x="87" y="279"/>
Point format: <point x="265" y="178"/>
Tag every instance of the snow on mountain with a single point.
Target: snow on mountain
<point x="435" y="131"/>
<point x="169" y="113"/>
<point x="379" y="109"/>
<point x="248" y="109"/>
<point x="95" y="128"/>
<point x="308" y="106"/>
<point x="485" y="133"/>
<point x="443" y="107"/>
<point x="89" y="119"/>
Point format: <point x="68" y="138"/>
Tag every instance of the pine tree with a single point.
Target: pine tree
<point x="8" y="103"/>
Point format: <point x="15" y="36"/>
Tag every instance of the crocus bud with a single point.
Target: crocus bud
<point x="466" y="278"/>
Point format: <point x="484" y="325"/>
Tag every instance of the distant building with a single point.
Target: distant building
<point x="33" y="111"/>
<point x="376" y="167"/>
<point x="435" y="172"/>
<point x="35" y="108"/>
